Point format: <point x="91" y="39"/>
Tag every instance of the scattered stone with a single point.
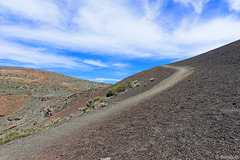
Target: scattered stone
<point x="136" y="83"/>
<point x="13" y="119"/>
<point x="48" y="112"/>
<point x="152" y="79"/>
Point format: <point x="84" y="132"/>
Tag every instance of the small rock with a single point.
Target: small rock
<point x="152" y="79"/>
<point x="13" y="119"/>
<point x="48" y="112"/>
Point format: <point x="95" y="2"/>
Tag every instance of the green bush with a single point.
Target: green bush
<point x="90" y="103"/>
<point x="101" y="100"/>
<point x="111" y="92"/>
<point x="1" y="141"/>
<point x="84" y="109"/>
<point x="96" y="99"/>
<point x="120" y="88"/>
<point x="9" y="137"/>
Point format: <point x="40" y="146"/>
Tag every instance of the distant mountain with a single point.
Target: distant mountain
<point x="28" y="96"/>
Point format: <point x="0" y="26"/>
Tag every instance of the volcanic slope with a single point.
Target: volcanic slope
<point x="25" y="93"/>
<point x="198" y="118"/>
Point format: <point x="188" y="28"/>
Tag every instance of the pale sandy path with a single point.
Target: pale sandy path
<point x="24" y="147"/>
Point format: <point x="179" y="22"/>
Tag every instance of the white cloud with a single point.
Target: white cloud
<point x="44" y="10"/>
<point x="152" y="8"/>
<point x="200" y="37"/>
<point x="35" y="57"/>
<point x="219" y="29"/>
<point x="197" y="4"/>
<point x="106" y="79"/>
<point x="95" y="62"/>
<point x="113" y="28"/>
<point x="120" y="65"/>
<point x="234" y="4"/>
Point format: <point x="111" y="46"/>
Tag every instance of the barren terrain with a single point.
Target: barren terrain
<point x="192" y="113"/>
<point x="198" y="118"/>
<point x="25" y="93"/>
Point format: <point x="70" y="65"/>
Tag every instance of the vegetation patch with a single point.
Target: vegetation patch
<point x="93" y="103"/>
<point x="26" y="132"/>
<point x="120" y="88"/>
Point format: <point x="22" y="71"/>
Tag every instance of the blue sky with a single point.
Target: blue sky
<point x="108" y="40"/>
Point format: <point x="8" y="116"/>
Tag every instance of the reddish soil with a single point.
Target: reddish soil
<point x="42" y="77"/>
<point x="11" y="103"/>
<point x="25" y="93"/>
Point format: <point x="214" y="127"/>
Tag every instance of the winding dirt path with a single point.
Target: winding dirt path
<point x="23" y="148"/>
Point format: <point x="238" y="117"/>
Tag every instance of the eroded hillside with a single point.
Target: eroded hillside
<point x="28" y="96"/>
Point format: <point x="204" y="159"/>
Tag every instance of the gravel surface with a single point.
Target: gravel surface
<point x="199" y="118"/>
<point x="21" y="147"/>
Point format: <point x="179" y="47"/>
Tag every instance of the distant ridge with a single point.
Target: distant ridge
<point x="25" y="93"/>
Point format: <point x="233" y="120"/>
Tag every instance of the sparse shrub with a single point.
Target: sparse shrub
<point x="95" y="104"/>
<point x="103" y="104"/>
<point x="10" y="136"/>
<point x="65" y="119"/>
<point x="1" y="141"/>
<point x="90" y="103"/>
<point x="55" y="121"/>
<point x="120" y="88"/>
<point x="96" y="99"/>
<point x="24" y="133"/>
<point x="101" y="100"/>
<point x="84" y="109"/>
<point x="88" y="110"/>
<point x="111" y="92"/>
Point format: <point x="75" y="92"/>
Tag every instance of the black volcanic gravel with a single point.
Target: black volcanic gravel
<point x="199" y="118"/>
<point x="143" y="78"/>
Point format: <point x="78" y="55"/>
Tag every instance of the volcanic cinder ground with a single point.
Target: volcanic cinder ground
<point x="197" y="117"/>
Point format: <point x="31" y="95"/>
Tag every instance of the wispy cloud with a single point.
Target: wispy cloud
<point x="66" y="33"/>
<point x="45" y="11"/>
<point x="106" y="79"/>
<point x="111" y="28"/>
<point x="36" y="56"/>
<point x="152" y="8"/>
<point x="121" y="65"/>
<point x="234" y="4"/>
<point x="97" y="63"/>
<point x="197" y="4"/>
